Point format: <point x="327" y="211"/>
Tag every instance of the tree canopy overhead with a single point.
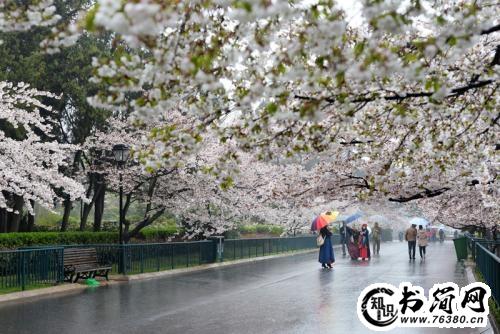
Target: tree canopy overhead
<point x="402" y="105"/>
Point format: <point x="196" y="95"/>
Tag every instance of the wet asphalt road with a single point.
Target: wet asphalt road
<point x="284" y="295"/>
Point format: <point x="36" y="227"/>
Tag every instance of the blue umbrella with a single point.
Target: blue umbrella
<point x="419" y="221"/>
<point x="353" y="217"/>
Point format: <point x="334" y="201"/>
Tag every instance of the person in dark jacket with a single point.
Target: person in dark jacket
<point x="343" y="237"/>
<point x="326" y="256"/>
<point x="411" y="237"/>
<point x="364" y="243"/>
<point x="376" y="237"/>
<point x="441" y="235"/>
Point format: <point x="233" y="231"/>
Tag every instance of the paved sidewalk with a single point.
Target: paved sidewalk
<point x="283" y="295"/>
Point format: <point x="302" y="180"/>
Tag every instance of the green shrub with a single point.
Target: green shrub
<point x="73" y="221"/>
<point x="232" y="234"/>
<point x="40" y="228"/>
<point x="15" y="240"/>
<point x="248" y="229"/>
<point x="153" y="233"/>
<point x="277" y="230"/>
<point x="48" y="219"/>
<point x="261" y="228"/>
<point x="109" y="226"/>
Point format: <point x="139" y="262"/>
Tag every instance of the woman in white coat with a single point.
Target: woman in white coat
<point x="422" y="241"/>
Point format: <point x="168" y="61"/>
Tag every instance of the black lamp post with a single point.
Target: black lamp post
<point x="121" y="153"/>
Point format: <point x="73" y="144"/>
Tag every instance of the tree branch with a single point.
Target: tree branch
<point x="427" y="193"/>
<point x="490" y="30"/>
<point x="143" y="223"/>
<point x="400" y="97"/>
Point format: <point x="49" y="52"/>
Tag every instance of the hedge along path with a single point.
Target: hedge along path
<point x="26" y="239"/>
<point x="16" y="240"/>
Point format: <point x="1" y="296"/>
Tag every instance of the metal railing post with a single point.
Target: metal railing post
<point x="60" y="265"/>
<point x="158" y="253"/>
<point x="122" y="265"/>
<point x="172" y="256"/>
<point x="141" y="254"/>
<point x="23" y="271"/>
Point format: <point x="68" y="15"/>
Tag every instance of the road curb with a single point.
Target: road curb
<point x="53" y="290"/>
<point x="173" y="272"/>
<point x="471" y="278"/>
<point x="68" y="288"/>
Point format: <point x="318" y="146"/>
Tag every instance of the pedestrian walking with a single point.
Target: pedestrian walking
<point x="411" y="237"/>
<point x="352" y="242"/>
<point x="343" y="237"/>
<point x="422" y="241"/>
<point x="326" y="256"/>
<point x="376" y="235"/>
<point x="364" y="243"/>
<point x="441" y="235"/>
<point x="401" y="234"/>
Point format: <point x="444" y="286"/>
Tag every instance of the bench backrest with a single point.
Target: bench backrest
<point x="80" y="256"/>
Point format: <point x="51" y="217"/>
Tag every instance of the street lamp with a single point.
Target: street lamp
<point x="121" y="153"/>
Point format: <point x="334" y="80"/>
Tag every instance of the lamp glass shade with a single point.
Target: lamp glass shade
<point x="121" y="153"/>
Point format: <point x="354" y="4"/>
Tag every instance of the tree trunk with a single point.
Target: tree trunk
<point x="87" y="207"/>
<point x="15" y="218"/>
<point x="3" y="220"/>
<point x="126" y="223"/>
<point x="68" y="206"/>
<point x="142" y="224"/>
<point x="99" y="203"/>
<point x="23" y="226"/>
<point x="31" y="223"/>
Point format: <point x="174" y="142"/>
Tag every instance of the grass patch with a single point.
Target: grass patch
<point x="494" y="308"/>
<point x="5" y="290"/>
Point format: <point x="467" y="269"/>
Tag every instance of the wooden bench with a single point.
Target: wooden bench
<point x="82" y="263"/>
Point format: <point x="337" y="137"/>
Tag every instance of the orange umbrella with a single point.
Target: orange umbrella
<point x="324" y="219"/>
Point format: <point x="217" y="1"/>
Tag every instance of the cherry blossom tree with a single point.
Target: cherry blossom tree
<point x="402" y="106"/>
<point x="409" y="97"/>
<point x="31" y="162"/>
<point x="187" y="188"/>
<point x="15" y="16"/>
<point x="32" y="168"/>
<point x="469" y="209"/>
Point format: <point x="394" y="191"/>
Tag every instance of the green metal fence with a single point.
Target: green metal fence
<point x="489" y="266"/>
<point x="235" y="249"/>
<point x="490" y="245"/>
<point x="142" y="258"/>
<point x="22" y="269"/>
<point x="487" y="262"/>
